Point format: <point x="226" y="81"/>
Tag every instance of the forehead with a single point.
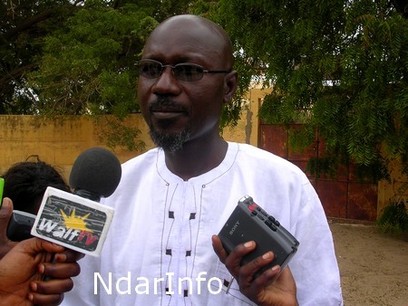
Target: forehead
<point x="185" y="40"/>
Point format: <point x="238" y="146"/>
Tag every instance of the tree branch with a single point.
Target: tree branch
<point x="30" y="22"/>
<point x="15" y="74"/>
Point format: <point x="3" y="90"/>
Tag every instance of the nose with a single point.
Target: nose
<point x="166" y="83"/>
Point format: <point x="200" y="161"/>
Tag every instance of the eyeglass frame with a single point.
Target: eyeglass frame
<point x="164" y="66"/>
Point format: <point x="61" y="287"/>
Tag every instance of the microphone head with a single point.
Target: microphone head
<point x="96" y="171"/>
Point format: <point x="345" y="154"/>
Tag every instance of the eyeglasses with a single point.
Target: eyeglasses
<point x="152" y="69"/>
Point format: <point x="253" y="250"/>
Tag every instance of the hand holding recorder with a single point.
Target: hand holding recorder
<point x="256" y="248"/>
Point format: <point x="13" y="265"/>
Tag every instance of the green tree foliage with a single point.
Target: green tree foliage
<point x="76" y="57"/>
<point x="65" y="57"/>
<point x="73" y="58"/>
<point x="23" y="24"/>
<point x="340" y="67"/>
<point x="88" y="66"/>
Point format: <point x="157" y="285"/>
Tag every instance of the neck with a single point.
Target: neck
<point x="196" y="157"/>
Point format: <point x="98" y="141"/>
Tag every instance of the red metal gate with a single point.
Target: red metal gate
<point x="342" y="195"/>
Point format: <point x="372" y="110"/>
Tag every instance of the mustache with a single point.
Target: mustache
<point x="163" y="103"/>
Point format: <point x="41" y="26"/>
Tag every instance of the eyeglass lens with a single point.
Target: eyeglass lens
<point x="184" y="72"/>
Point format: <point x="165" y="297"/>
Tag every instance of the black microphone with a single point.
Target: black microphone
<point x="95" y="173"/>
<point x="76" y="220"/>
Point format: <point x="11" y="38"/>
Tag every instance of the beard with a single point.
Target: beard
<point x="168" y="142"/>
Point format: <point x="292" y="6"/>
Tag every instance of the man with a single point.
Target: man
<point x="161" y="248"/>
<point x="26" y="264"/>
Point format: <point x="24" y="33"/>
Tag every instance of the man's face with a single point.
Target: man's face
<point x="178" y="111"/>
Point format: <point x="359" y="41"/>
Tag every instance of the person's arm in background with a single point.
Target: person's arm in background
<point x="26" y="264"/>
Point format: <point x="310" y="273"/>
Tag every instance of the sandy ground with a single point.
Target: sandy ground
<point x="373" y="265"/>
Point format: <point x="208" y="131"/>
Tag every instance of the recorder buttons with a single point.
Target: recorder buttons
<point x="271" y="225"/>
<point x="273" y="220"/>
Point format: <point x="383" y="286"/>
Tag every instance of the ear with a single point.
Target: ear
<point x="230" y="85"/>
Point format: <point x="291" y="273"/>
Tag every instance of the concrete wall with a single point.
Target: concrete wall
<point x="394" y="190"/>
<point x="57" y="141"/>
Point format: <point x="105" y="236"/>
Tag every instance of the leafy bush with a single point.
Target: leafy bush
<point x="394" y="218"/>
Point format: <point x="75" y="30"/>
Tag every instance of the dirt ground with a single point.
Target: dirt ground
<point x="373" y="265"/>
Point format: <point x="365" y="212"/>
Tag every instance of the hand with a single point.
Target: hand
<point x="271" y="288"/>
<point x="56" y="278"/>
<point x="5" y="213"/>
<point x="23" y="268"/>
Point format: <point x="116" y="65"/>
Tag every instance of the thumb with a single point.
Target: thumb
<point x="6" y="211"/>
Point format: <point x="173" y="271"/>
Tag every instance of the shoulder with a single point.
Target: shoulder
<point x="134" y="171"/>
<point x="143" y="160"/>
<point x="137" y="168"/>
<point x="266" y="162"/>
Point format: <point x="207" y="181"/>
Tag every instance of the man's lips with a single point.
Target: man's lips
<point x="167" y="114"/>
<point x="167" y="111"/>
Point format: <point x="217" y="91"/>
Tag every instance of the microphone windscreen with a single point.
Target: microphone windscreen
<point x="96" y="170"/>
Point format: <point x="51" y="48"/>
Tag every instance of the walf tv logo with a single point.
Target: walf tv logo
<point x="71" y="223"/>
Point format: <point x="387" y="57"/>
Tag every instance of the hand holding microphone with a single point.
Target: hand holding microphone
<point x="95" y="174"/>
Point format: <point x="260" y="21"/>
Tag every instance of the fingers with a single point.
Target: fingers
<point x="58" y="275"/>
<point x="52" y="287"/>
<point x="266" y="277"/>
<point x="246" y="273"/>
<point x="264" y="286"/>
<point x="59" y="270"/>
<point x="253" y="267"/>
<point x="5" y="214"/>
<point x="6" y="209"/>
<point x="233" y="260"/>
<point x="46" y="299"/>
<point x="68" y="256"/>
<point x="218" y="248"/>
<point x="35" y="246"/>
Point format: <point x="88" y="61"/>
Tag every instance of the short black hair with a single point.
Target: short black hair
<point x="25" y="184"/>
